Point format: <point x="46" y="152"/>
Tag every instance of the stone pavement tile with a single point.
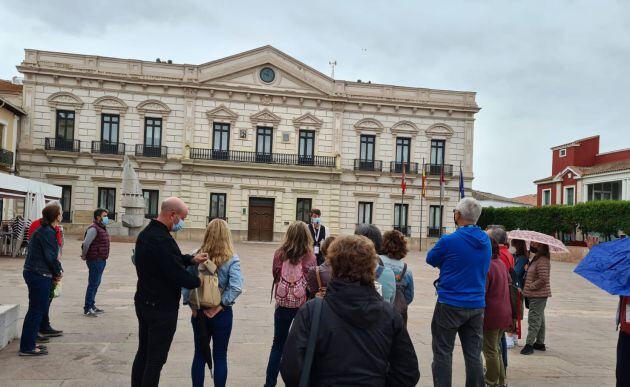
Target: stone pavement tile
<point x="99" y="352"/>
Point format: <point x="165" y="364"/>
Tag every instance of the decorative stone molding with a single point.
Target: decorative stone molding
<point x="222" y="114"/>
<point x="369" y="125"/>
<point x="218" y="185"/>
<point x="110" y="102"/>
<point x="265" y="117"/>
<point x="439" y="130"/>
<point x="153" y="106"/>
<point x="405" y="127"/>
<point x="305" y="191"/>
<point x="152" y="182"/>
<point x="308" y="121"/>
<point x="107" y="179"/>
<point x="263" y="188"/>
<point x="54" y="176"/>
<point x="63" y="98"/>
<point x="366" y="194"/>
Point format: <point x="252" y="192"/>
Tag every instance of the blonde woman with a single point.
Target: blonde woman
<point x="291" y="263"/>
<point x="217" y="322"/>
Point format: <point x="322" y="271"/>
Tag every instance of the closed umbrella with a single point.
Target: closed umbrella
<point x="607" y="266"/>
<point x="555" y="245"/>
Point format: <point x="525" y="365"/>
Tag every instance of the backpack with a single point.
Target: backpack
<point x="291" y="289"/>
<point x="208" y="295"/>
<point x="321" y="291"/>
<point x="400" y="302"/>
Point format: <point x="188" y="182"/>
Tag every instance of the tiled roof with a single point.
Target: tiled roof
<point x="606" y="168"/>
<point x="479" y="195"/>
<point x="9" y="87"/>
<point x="531" y="200"/>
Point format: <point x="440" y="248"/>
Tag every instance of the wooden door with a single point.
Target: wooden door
<point x="260" y="225"/>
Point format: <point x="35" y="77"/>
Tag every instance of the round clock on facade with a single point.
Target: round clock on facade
<point x="267" y="74"/>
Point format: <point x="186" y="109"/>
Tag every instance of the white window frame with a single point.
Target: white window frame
<point x="562" y="152"/>
<point x="543" y="197"/>
<point x="564" y="196"/>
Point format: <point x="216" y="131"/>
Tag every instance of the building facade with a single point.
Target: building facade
<point x="487" y="199"/>
<point x="257" y="138"/>
<point x="580" y="173"/>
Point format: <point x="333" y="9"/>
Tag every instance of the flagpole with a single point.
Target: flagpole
<point x="421" y="203"/>
<point x="402" y="199"/>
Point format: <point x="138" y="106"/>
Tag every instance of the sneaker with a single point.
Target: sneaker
<point x="540" y="347"/>
<point x="98" y="310"/>
<point x="509" y="342"/>
<point x="51" y="333"/>
<point x="42" y="339"/>
<point x="515" y="341"/>
<point x="527" y="350"/>
<point x="90" y="313"/>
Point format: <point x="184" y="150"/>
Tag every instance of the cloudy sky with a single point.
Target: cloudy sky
<point x="545" y="72"/>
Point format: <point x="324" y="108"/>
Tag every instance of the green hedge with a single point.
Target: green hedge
<point x="604" y="217"/>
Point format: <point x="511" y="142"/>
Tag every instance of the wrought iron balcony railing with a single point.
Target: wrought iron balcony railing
<point x="151" y="151"/>
<point x="368" y="165"/>
<point x="62" y="144"/>
<point x="265" y="158"/>
<point x="6" y="158"/>
<point x="405" y="230"/>
<point x="434" y="232"/>
<point x="436" y="169"/>
<point x="108" y="148"/>
<point x="410" y="168"/>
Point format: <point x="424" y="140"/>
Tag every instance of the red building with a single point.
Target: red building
<point x="579" y="173"/>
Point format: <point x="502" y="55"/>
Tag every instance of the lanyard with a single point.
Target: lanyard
<point x="319" y="229"/>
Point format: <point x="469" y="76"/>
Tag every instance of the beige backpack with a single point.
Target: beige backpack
<point x="208" y="295"/>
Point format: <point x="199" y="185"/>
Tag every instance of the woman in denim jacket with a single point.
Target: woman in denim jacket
<point x="394" y="250"/>
<point x="218" y="320"/>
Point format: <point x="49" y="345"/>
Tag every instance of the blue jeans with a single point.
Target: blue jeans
<point x="282" y="319"/>
<point x="96" y="268"/>
<point x="219" y="330"/>
<point x="38" y="292"/>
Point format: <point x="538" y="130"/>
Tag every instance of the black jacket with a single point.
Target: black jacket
<point x="160" y="268"/>
<point x="361" y="341"/>
<point x="43" y="252"/>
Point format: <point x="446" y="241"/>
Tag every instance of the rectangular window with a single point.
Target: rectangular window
<point x="221" y="137"/>
<point x="546" y="199"/>
<point x="604" y="191"/>
<point x="306" y="147"/>
<point x="435" y="217"/>
<point x="403" y="154"/>
<point x="365" y="213"/>
<point x="107" y="201"/>
<point x="569" y="196"/>
<point x="367" y="148"/>
<point x="303" y="210"/>
<point x="66" y="202"/>
<point x="110" y="124"/>
<point x="401" y="212"/>
<point x="151" y="198"/>
<point x="152" y="132"/>
<point x="562" y="152"/>
<point x="64" y="133"/>
<point x="437" y="152"/>
<point x="264" y="143"/>
<point x="217" y="206"/>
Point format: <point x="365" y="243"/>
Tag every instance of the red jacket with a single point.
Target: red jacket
<point x="624" y="318"/>
<point x="498" y="312"/>
<point x="37" y="223"/>
<point x="506" y="257"/>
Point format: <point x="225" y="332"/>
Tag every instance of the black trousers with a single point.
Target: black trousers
<point x="155" y="334"/>
<point x="623" y="360"/>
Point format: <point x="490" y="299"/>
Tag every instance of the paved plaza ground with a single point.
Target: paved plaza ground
<point x="581" y="334"/>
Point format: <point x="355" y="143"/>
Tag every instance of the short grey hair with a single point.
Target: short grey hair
<point x="54" y="203"/>
<point x="498" y="233"/>
<point x="469" y="209"/>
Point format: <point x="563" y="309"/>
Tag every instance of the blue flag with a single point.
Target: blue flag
<point x="461" y="183"/>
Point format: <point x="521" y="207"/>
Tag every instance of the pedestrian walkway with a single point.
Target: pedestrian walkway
<point x="99" y="351"/>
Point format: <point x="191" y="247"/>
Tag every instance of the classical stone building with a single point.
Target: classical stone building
<point x="257" y="138"/>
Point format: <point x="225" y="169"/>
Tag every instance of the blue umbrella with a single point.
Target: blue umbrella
<point x="607" y="266"/>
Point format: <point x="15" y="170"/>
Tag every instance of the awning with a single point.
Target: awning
<point x="15" y="187"/>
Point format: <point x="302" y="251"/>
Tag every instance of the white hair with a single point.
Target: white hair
<point x="55" y="203"/>
<point x="469" y="209"/>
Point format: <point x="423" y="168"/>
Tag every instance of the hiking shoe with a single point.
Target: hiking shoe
<point x="42" y="339"/>
<point x="90" y="313"/>
<point x="527" y="350"/>
<point x="98" y="310"/>
<point x="51" y="333"/>
<point x="540" y="347"/>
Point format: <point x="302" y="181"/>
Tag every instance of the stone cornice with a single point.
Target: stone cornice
<point x="218" y="185"/>
<point x="54" y="176"/>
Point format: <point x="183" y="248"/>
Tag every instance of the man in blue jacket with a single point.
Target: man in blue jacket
<point x="463" y="258"/>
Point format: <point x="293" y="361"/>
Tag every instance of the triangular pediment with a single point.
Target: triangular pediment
<point x="307" y="120"/>
<point x="243" y="71"/>
<point x="222" y="113"/>
<point x="439" y="130"/>
<point x="264" y="116"/>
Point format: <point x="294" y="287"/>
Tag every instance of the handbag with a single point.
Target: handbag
<point x="312" y="342"/>
<point x="208" y="295"/>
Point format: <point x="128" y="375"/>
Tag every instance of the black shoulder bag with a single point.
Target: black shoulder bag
<point x="312" y="342"/>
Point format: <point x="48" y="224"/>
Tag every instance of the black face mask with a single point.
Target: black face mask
<point x="533" y="249"/>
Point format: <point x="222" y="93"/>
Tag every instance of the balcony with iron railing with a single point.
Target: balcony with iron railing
<point x="6" y="158"/>
<point x="435" y="232"/>
<point x="108" y="148"/>
<point x="405" y="230"/>
<point x="264" y="158"/>
<point x="397" y="167"/>
<point x="368" y="165"/>
<point x="151" y="151"/>
<point x="62" y="145"/>
<point x="436" y="169"/>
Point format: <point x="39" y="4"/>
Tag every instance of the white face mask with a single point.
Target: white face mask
<point x="512" y="250"/>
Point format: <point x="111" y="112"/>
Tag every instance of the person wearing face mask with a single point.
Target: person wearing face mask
<point x="160" y="266"/>
<point x="318" y="232"/>
<point x="463" y="258"/>
<point x="95" y="251"/>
